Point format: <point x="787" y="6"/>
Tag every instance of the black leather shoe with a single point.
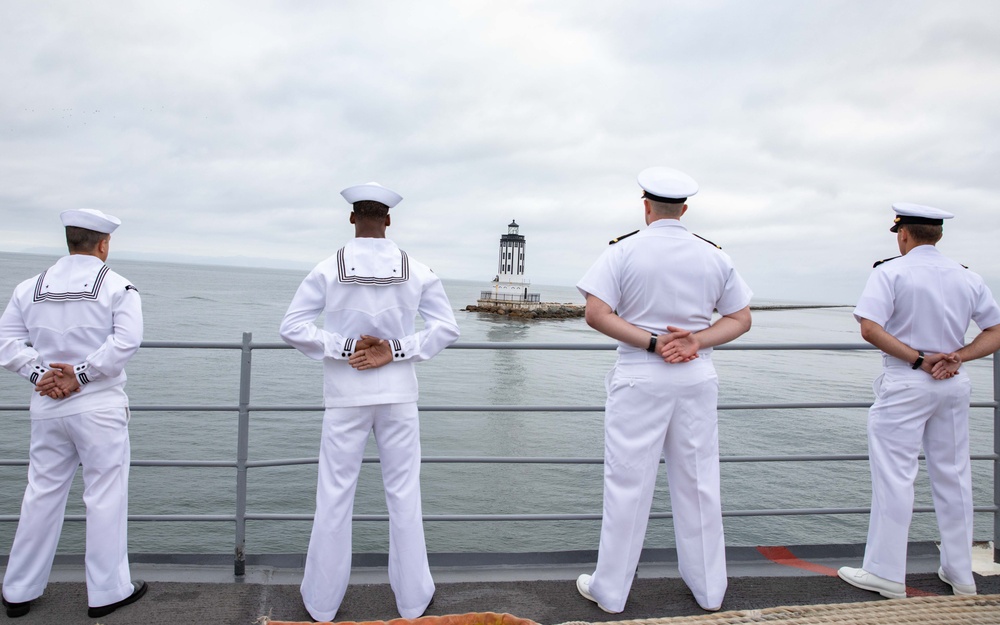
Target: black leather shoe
<point x="15" y="610"/>
<point x="429" y="604"/>
<point x="140" y="589"/>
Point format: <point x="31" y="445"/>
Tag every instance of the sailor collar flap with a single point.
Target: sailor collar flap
<point x="68" y="282"/>
<point x="378" y="265"/>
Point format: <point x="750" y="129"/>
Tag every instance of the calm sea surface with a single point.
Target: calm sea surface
<point x="201" y="303"/>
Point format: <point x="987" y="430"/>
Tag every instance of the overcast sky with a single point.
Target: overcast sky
<point x="225" y="129"/>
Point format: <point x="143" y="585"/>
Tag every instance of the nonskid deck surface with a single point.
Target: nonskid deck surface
<point x="535" y="586"/>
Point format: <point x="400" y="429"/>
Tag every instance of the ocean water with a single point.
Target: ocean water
<point x="203" y="303"/>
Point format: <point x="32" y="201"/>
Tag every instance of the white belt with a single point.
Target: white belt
<point x="638" y="356"/>
<point x="641" y="355"/>
<point x="892" y="361"/>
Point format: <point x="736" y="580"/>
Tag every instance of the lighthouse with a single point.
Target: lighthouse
<point x="509" y="294"/>
<point x="510" y="283"/>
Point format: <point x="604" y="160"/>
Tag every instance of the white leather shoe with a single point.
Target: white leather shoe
<point x="583" y="586"/>
<point x="869" y="581"/>
<point x="958" y="589"/>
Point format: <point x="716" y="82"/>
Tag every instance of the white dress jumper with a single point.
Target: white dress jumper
<point x="77" y="312"/>
<point x="369" y="287"/>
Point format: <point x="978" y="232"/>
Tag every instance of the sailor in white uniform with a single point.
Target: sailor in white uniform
<point x="369" y="293"/>
<point x="916" y="308"/>
<point x="84" y="322"/>
<point x="655" y="292"/>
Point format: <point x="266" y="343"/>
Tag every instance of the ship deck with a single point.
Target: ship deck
<point x="203" y="589"/>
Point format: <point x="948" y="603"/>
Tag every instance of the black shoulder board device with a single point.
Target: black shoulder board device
<point x="129" y="287"/>
<point x="709" y="242"/>
<point x="884" y="260"/>
<point x="624" y="236"/>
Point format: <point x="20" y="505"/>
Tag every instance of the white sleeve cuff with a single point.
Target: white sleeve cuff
<point x="403" y="349"/>
<point x="346" y="350"/>
<point x="35" y="373"/>
<point x="82" y="372"/>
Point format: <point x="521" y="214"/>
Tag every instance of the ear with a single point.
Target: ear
<point x="684" y="209"/>
<point x="352" y="217"/>
<point x="388" y="221"/>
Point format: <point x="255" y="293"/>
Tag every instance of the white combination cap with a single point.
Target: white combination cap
<point x="907" y="213"/>
<point x="91" y="219"/>
<point x="371" y="191"/>
<point x="662" y="184"/>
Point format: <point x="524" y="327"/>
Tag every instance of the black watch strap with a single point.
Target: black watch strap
<point x="919" y="361"/>
<point x="652" y="343"/>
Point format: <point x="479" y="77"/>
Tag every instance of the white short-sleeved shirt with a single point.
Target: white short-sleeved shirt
<point x="927" y="300"/>
<point x="369" y="287"/>
<point x="665" y="276"/>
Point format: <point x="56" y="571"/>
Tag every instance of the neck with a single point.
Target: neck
<point x="93" y="253"/>
<point x="911" y="245"/>
<point x="368" y="232"/>
<point x="656" y="215"/>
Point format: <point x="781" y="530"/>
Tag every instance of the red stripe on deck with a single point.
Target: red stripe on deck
<point x="782" y="555"/>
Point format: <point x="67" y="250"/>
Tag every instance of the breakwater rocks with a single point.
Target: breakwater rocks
<point x="550" y="310"/>
<point x="534" y="310"/>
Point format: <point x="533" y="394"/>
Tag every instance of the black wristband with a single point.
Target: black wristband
<point x="919" y="361"/>
<point x="652" y="343"/>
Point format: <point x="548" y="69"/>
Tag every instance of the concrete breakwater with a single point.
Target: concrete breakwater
<point x="555" y="310"/>
<point x="528" y="310"/>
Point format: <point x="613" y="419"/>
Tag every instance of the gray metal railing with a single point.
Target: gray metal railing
<point x="244" y="408"/>
<point x="510" y="297"/>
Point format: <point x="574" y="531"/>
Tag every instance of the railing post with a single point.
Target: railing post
<point x="996" y="461"/>
<point x="242" y="454"/>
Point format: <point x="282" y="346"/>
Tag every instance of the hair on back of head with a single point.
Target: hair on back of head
<point x="83" y="240"/>
<point x="370" y="209"/>
<point x="664" y="209"/>
<point x="924" y="233"/>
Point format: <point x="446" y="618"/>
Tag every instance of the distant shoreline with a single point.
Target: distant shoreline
<point x="797" y="306"/>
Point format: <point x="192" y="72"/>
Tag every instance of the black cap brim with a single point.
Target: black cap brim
<point x="902" y="220"/>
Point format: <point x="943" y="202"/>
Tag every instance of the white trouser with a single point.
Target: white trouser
<point x="328" y="561"/>
<point x="99" y="441"/>
<point x="653" y="410"/>
<point x="911" y="407"/>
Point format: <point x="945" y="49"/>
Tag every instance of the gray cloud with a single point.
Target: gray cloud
<point x="228" y="129"/>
